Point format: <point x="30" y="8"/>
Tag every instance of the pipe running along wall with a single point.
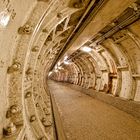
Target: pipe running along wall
<point x="112" y="64"/>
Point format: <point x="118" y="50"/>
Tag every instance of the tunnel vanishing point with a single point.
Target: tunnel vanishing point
<point x="69" y="69"/>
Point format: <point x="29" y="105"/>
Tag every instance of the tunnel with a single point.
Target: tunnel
<point x="70" y="69"/>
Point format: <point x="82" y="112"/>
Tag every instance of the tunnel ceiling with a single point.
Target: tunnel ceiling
<point x="46" y="37"/>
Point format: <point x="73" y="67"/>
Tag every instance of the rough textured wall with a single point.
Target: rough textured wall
<point x="39" y="33"/>
<point x="31" y="41"/>
<point x="19" y="11"/>
<point x="112" y="64"/>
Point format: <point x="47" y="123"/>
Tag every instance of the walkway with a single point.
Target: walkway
<point x="85" y="118"/>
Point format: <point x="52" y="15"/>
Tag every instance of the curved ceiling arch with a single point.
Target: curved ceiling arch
<point x="36" y="40"/>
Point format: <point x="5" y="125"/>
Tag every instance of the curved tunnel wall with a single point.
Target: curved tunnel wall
<point x="113" y="65"/>
<point x="32" y="42"/>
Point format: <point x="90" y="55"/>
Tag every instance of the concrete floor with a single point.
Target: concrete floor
<point x="85" y="118"/>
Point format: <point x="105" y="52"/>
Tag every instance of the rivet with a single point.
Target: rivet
<point x="33" y="118"/>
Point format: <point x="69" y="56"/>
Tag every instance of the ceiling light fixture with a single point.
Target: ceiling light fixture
<point x="59" y="68"/>
<point x="66" y="57"/>
<point x="50" y="73"/>
<point x="86" y="49"/>
<point x="4" y="18"/>
<point x="56" y="70"/>
<point x="66" y="62"/>
<point x="56" y="67"/>
<point x="59" y="63"/>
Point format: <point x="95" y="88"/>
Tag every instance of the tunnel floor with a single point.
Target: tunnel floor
<point x="85" y="118"/>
